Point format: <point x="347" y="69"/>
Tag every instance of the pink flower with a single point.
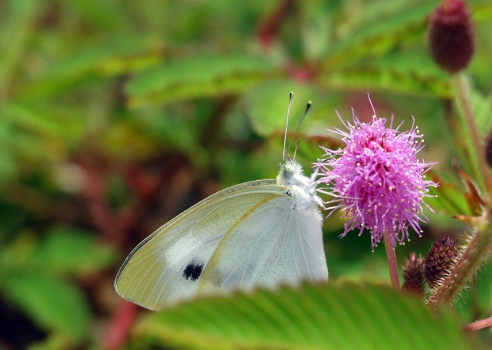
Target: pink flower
<point x="377" y="180"/>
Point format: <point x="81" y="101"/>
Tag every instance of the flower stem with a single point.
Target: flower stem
<point x="477" y="325"/>
<point x="391" y="256"/>
<point x="467" y="264"/>
<point x="469" y="120"/>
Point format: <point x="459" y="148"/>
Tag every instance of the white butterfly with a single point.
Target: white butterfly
<point x="259" y="233"/>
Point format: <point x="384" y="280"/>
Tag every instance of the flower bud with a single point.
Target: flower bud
<point x="451" y="36"/>
<point x="441" y="258"/>
<point x="413" y="274"/>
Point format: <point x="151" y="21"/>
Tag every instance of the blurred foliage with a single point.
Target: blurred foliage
<point x="117" y="115"/>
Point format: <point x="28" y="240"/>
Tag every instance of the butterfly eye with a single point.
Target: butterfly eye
<point x="193" y="271"/>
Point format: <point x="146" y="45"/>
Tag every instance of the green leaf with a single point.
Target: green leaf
<point x="8" y="165"/>
<point x="199" y="76"/>
<point x="325" y="316"/>
<point x="381" y="50"/>
<point x="17" y="30"/>
<point x="55" y="341"/>
<point x="378" y="29"/>
<point x="375" y="77"/>
<point x="67" y="250"/>
<point x="41" y="122"/>
<point x="54" y="304"/>
<point x="111" y="58"/>
<point x="449" y="198"/>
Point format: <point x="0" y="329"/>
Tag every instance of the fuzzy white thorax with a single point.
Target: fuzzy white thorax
<point x="301" y="188"/>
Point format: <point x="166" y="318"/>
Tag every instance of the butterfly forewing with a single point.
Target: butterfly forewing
<point x="168" y="265"/>
<point x="258" y="233"/>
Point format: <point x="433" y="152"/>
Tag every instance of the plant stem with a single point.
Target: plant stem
<point x="477" y="325"/>
<point x="391" y="256"/>
<point x="469" y="119"/>
<point x="467" y="264"/>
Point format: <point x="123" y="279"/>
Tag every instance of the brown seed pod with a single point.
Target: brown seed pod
<point x="413" y="274"/>
<point x="441" y="258"/>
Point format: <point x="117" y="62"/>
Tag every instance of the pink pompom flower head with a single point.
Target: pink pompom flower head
<point x="376" y="180"/>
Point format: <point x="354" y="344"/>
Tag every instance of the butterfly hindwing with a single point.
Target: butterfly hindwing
<point x="269" y="246"/>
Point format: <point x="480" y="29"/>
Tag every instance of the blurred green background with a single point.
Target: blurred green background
<point x="117" y="115"/>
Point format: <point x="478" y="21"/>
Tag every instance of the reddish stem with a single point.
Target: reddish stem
<point x="269" y="26"/>
<point x="120" y="325"/>
<point x="390" y="254"/>
<point x="477" y="325"/>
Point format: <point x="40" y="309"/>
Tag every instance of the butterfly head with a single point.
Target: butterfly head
<point x="299" y="187"/>
<point x="290" y="173"/>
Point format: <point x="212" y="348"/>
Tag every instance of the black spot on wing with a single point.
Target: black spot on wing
<point x="193" y="271"/>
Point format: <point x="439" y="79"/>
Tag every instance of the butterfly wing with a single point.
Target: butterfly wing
<point x="272" y="244"/>
<point x="243" y="236"/>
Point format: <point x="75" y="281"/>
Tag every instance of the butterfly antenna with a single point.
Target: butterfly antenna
<point x="308" y="106"/>
<point x="291" y="96"/>
<point x="372" y="106"/>
<point x="295" y="151"/>
<point x="299" y="141"/>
